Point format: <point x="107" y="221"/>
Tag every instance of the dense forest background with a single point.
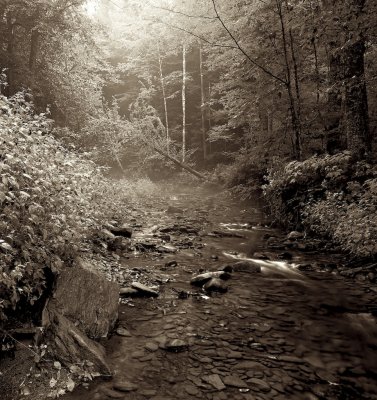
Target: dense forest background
<point x="272" y="97"/>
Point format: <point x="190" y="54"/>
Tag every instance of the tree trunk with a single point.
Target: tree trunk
<point x="181" y="165"/>
<point x="209" y="113"/>
<point x="348" y="94"/>
<point x="202" y="105"/>
<point x="164" y="98"/>
<point x="183" y="103"/>
<point x="10" y="56"/>
<point x="356" y="119"/>
<point x="295" y="118"/>
<point x="34" y="44"/>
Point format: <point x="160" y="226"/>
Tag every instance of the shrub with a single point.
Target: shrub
<point x="50" y="199"/>
<point x="244" y="176"/>
<point x="332" y="196"/>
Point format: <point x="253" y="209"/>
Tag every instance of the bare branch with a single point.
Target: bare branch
<point x="183" y="14"/>
<point x="241" y="49"/>
<point x="194" y="34"/>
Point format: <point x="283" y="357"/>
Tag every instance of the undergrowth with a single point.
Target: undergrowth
<point x="332" y="196"/>
<point x="51" y="199"/>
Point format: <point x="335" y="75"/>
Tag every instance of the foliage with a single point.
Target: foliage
<point x="332" y="196"/>
<point x="50" y="199"/>
<point x="244" y="176"/>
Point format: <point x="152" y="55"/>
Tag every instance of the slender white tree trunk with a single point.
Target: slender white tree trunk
<point x="162" y="80"/>
<point x="202" y="105"/>
<point x="183" y="103"/>
<point x="209" y="113"/>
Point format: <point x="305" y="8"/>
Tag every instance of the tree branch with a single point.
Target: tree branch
<point x="241" y="49"/>
<point x="183" y="14"/>
<point x="194" y="34"/>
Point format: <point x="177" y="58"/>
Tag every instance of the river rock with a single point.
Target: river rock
<point x="215" y="381"/>
<point x="87" y="299"/>
<point x="123" y="332"/>
<point x="68" y="344"/>
<point x="201" y="279"/>
<point x="106" y="234"/>
<point x="260" y="384"/>
<point x="176" y="345"/>
<point x="129" y="292"/>
<point x="228" y="234"/>
<point x="144" y="290"/>
<point x="215" y="285"/>
<point x="112" y="394"/>
<point x="294" y="235"/>
<point x="124" y="231"/>
<point x="124" y="386"/>
<point x="234" y="381"/>
<point x="246" y="266"/>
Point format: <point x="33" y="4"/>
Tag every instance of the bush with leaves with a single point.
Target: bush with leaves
<point x="332" y="196"/>
<point x="244" y="176"/>
<point x="50" y="199"/>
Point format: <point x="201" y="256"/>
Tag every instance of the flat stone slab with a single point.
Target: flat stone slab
<point x="145" y="290"/>
<point x="235" y="381"/>
<point x="201" y="279"/>
<point x="125" y="386"/>
<point x="215" y="381"/>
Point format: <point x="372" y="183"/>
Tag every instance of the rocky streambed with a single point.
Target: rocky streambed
<point x="276" y="318"/>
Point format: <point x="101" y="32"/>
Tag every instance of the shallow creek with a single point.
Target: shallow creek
<point x="284" y="333"/>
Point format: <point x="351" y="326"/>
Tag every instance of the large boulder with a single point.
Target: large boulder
<point x="83" y="306"/>
<point x="70" y="345"/>
<point x="87" y="299"/>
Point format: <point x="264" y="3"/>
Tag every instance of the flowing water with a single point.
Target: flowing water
<point x="283" y="333"/>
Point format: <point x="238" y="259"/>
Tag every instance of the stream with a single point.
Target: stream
<point x="292" y="331"/>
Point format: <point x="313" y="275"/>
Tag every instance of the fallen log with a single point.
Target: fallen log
<point x="181" y="165"/>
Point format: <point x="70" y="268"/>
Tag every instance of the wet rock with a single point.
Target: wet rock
<point x="151" y="346"/>
<point x="227" y="234"/>
<point x="294" y="235"/>
<point x="260" y="384"/>
<point x="215" y="285"/>
<point x="228" y="268"/>
<point x="112" y="394"/>
<point x="144" y="290"/>
<point x="176" y="345"/>
<point x="83" y="295"/>
<point x="191" y="390"/>
<point x="106" y="234"/>
<point x="180" y="229"/>
<point x="123" y="332"/>
<point x="69" y="345"/>
<point x="246" y="266"/>
<point x="145" y="246"/>
<point x="234" y="381"/>
<point x="201" y="279"/>
<point x="215" y="381"/>
<point x="172" y="263"/>
<point x="261" y="256"/>
<point x="124" y="386"/>
<point x="124" y="231"/>
<point x="167" y="249"/>
<point x="128" y="292"/>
